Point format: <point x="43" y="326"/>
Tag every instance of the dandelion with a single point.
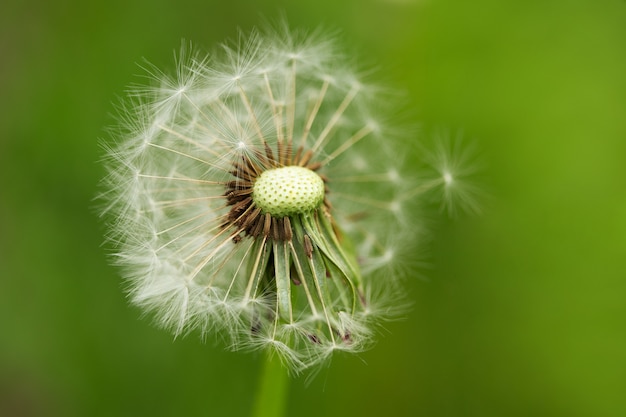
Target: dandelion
<point x="259" y="195"/>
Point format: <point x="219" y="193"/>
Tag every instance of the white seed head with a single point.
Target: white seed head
<point x="288" y="190"/>
<point x="258" y="193"/>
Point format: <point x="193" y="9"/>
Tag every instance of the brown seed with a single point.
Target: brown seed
<point x="288" y="231"/>
<point x="308" y="247"/>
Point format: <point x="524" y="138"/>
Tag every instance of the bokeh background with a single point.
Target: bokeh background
<point x="522" y="311"/>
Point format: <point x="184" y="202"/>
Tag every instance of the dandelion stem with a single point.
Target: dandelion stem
<point x="271" y="397"/>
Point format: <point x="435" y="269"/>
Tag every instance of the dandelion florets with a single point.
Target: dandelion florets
<point x="255" y="196"/>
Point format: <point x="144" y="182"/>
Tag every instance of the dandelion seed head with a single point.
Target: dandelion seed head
<point x="256" y="196"/>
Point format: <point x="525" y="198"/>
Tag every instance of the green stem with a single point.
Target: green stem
<point x="271" y="399"/>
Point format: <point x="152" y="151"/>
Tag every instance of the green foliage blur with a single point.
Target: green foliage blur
<point x="521" y="311"/>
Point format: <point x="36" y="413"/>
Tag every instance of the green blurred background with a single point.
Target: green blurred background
<point x="522" y="312"/>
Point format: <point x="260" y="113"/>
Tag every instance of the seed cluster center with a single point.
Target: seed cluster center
<point x="288" y="190"/>
<point x="271" y="187"/>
